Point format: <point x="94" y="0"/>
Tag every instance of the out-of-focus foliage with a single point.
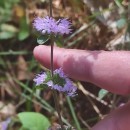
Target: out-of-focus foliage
<point x="13" y="20"/>
<point x="6" y="7"/>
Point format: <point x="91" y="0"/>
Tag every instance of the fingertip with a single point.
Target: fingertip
<point x="37" y="49"/>
<point x="42" y="54"/>
<point x="40" y="51"/>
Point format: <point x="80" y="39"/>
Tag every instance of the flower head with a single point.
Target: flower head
<point x="4" y="124"/>
<point x="45" y="25"/>
<point x="59" y="82"/>
<point x="64" y="26"/>
<point x="50" y="26"/>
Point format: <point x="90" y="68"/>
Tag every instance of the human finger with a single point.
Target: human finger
<point x="116" y="120"/>
<point x="108" y="70"/>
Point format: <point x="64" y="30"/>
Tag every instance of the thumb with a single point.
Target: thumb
<point x="117" y="120"/>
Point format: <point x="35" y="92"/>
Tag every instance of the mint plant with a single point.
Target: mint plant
<point x="56" y="80"/>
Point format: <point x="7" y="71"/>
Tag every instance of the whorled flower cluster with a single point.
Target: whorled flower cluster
<point x="49" y="25"/>
<point x="60" y="82"/>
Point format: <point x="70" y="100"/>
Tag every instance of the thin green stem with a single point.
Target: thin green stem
<point x="52" y="66"/>
<point x="58" y="109"/>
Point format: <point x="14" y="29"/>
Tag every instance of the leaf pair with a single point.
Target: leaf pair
<point x="44" y="38"/>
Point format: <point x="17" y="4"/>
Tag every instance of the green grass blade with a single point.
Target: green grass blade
<point x="73" y="114"/>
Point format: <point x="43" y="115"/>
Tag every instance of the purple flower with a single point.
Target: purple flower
<point x="64" y="26"/>
<point x="4" y="124"/>
<point x="40" y="78"/>
<point x="45" y="25"/>
<point x="50" y="26"/>
<point x="59" y="82"/>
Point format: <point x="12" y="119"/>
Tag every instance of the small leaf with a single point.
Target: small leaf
<point x="8" y="28"/>
<point x="33" y="121"/>
<point x="2" y="3"/>
<point x="6" y="35"/>
<point x="58" y="80"/>
<point x="120" y="1"/>
<point x="24" y="29"/>
<point x="102" y="93"/>
<point x="41" y="87"/>
<point x="43" y="39"/>
<point x="121" y="23"/>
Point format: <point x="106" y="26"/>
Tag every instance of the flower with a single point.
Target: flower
<point x="64" y="26"/>
<point x="45" y="25"/>
<point x="59" y="82"/>
<point x="40" y="78"/>
<point x="4" y="124"/>
<point x="50" y="26"/>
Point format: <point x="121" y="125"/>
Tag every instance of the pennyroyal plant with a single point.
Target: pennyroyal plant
<point x="50" y="26"/>
<point x="56" y="80"/>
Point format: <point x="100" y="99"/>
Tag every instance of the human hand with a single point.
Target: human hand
<point x="108" y="70"/>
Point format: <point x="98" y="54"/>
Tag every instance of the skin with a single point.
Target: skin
<point x="108" y="70"/>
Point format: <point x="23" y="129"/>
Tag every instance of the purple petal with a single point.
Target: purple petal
<point x="5" y="124"/>
<point x="40" y="78"/>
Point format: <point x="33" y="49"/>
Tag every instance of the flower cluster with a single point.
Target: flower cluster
<point x="4" y="124"/>
<point x="59" y="82"/>
<point x="50" y="26"/>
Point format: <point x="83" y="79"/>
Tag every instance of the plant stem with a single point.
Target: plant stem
<point x="58" y="109"/>
<point x="52" y="42"/>
<point x="54" y="92"/>
<point x="50" y="2"/>
<point x="52" y="68"/>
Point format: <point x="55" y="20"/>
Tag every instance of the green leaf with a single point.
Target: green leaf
<point x="119" y="1"/>
<point x="24" y="29"/>
<point x="2" y="3"/>
<point x="8" y="28"/>
<point x="119" y="4"/>
<point x="102" y="93"/>
<point x="121" y="23"/>
<point x="43" y="39"/>
<point x="58" y="80"/>
<point x="6" y="35"/>
<point x="7" y="31"/>
<point x="33" y="121"/>
<point x="41" y="87"/>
